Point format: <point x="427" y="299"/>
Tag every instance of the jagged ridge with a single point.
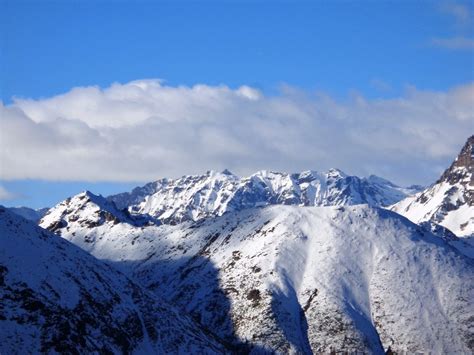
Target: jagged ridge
<point x="213" y="194"/>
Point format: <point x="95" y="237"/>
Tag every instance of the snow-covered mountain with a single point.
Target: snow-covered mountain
<point x="29" y="213"/>
<point x="450" y="201"/>
<point x="302" y="279"/>
<point x="56" y="298"/>
<point x="87" y="210"/>
<point x="213" y="194"/>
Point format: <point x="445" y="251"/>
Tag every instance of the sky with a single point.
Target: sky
<point x="107" y="95"/>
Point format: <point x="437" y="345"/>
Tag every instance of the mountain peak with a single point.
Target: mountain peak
<point x="226" y="172"/>
<point x="84" y="208"/>
<point x="378" y="180"/>
<point x="462" y="168"/>
<point x="89" y="196"/>
<point x="336" y="173"/>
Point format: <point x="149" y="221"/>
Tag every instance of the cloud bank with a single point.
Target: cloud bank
<point x="144" y="130"/>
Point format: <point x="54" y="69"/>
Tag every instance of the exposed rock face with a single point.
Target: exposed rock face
<point x="56" y="298"/>
<point x="450" y="201"/>
<point x="462" y="169"/>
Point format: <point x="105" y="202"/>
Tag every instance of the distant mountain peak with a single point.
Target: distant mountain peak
<point x="335" y="172"/>
<point x="381" y="181"/>
<point x="226" y="172"/>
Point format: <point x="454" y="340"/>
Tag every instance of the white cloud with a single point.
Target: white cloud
<point x="453" y="43"/>
<point x="5" y="194"/>
<point x="145" y="130"/>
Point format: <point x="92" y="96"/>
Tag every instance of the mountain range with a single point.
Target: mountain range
<point x="304" y="263"/>
<point x="213" y="194"/>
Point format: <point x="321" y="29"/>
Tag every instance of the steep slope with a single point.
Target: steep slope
<point x="304" y="279"/>
<point x="213" y="194"/>
<point x="55" y="298"/>
<point x="30" y="213"/>
<point x="450" y="201"/>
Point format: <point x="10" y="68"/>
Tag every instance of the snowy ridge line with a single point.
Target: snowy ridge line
<point x="213" y="194"/>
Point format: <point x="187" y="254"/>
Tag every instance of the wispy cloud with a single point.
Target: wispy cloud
<point x="454" y="43"/>
<point x="460" y="12"/>
<point x="461" y="37"/>
<point x="144" y="130"/>
<point x="6" y="195"/>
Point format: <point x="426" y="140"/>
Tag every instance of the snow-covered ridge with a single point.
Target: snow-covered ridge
<point x="29" y="213"/>
<point x="87" y="210"/>
<point x="304" y="279"/>
<point x="213" y="194"/>
<point x="450" y="201"/>
<point x="56" y="298"/>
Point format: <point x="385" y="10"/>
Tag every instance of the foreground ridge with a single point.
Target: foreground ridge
<point x="56" y="298"/>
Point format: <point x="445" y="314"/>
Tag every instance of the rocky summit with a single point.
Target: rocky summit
<point x="450" y="201"/>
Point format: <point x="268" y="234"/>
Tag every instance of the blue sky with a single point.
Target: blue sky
<point x="379" y="50"/>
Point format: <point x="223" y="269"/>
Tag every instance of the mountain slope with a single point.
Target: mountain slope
<point x="450" y="201"/>
<point x="30" y="213"/>
<point x="304" y="279"/>
<point x="213" y="194"/>
<point x="55" y="298"/>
